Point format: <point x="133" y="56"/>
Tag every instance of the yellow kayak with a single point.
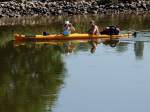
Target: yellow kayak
<point x="75" y="36"/>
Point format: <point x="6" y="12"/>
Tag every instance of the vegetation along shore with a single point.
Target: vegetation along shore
<point x="51" y="7"/>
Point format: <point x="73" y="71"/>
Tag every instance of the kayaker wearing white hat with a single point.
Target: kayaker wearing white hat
<point x="67" y="22"/>
<point x="68" y="28"/>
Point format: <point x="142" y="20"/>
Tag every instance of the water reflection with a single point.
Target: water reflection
<point x="32" y="74"/>
<point x="112" y="43"/>
<point x="139" y="49"/>
<point x="64" y="47"/>
<point x="30" y="77"/>
<point x="70" y="47"/>
<point x="94" y="44"/>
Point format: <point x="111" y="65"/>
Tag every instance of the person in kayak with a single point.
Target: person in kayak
<point x="68" y="28"/>
<point x="93" y="31"/>
<point x="93" y="28"/>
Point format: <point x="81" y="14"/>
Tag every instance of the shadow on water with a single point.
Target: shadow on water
<point x="30" y="77"/>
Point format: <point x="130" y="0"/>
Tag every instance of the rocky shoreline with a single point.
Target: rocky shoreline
<point x="36" y="8"/>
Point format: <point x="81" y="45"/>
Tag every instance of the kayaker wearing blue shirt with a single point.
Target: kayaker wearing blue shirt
<point x="68" y="28"/>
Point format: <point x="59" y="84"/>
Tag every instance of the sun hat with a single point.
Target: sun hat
<point x="67" y="22"/>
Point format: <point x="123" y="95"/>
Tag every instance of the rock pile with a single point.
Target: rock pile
<point x="14" y="9"/>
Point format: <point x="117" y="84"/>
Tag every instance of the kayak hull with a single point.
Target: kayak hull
<point x="75" y="36"/>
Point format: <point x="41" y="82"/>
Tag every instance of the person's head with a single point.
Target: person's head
<point x="67" y="22"/>
<point x="92" y="22"/>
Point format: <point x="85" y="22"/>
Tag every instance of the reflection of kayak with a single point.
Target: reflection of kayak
<point x="74" y="36"/>
<point x="18" y="43"/>
<point x="52" y="43"/>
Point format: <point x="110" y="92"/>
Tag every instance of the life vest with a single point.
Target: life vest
<point x="67" y="29"/>
<point x="66" y="32"/>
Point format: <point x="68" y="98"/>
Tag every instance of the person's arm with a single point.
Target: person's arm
<point x="95" y="30"/>
<point x="72" y="29"/>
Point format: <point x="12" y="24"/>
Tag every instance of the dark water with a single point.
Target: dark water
<point x="52" y="77"/>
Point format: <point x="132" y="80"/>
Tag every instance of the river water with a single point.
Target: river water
<point x="50" y="77"/>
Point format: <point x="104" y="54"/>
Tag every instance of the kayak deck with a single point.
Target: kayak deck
<point x="74" y="36"/>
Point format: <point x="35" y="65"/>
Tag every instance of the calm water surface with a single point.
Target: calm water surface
<point x="52" y="77"/>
